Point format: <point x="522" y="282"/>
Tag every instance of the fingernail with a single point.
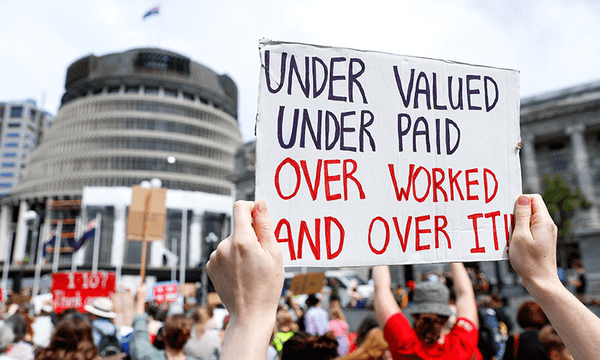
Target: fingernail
<point x="523" y="200"/>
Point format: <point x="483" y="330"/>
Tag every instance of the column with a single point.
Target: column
<point x="119" y="234"/>
<point x="582" y="171"/>
<point x="21" y="237"/>
<point x="5" y="217"/>
<point x="531" y="175"/>
<point x="195" y="251"/>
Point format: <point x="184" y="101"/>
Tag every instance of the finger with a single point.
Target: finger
<point x="263" y="226"/>
<point x="523" y="213"/>
<point x="242" y="217"/>
<point x="538" y="208"/>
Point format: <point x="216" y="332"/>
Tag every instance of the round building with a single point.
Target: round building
<point x="126" y="118"/>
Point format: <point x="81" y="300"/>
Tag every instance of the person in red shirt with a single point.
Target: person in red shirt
<point x="429" y="339"/>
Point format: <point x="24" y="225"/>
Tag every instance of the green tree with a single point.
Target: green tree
<point x="562" y="203"/>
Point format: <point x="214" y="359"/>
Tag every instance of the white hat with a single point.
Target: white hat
<point x="101" y="307"/>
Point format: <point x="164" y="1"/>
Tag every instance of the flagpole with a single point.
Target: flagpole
<point x="77" y="235"/>
<point x="6" y="266"/>
<point x="38" y="268"/>
<point x="183" y="254"/>
<point x="57" y="244"/>
<point x="97" y="241"/>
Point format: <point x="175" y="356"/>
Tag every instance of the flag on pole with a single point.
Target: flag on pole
<point x="90" y="232"/>
<point x="49" y="242"/>
<point x="153" y="11"/>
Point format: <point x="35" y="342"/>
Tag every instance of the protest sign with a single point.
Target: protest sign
<point x="123" y="305"/>
<point x="166" y="291"/>
<point x="310" y="283"/>
<point x="369" y="158"/>
<point x="76" y="289"/>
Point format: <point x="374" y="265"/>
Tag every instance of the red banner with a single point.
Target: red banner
<point x="76" y="289"/>
<point x="166" y="292"/>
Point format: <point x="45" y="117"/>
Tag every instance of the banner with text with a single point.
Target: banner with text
<point x="368" y="158"/>
<point x="76" y="289"/>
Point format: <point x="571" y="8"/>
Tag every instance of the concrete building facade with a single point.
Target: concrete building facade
<point x="125" y="118"/>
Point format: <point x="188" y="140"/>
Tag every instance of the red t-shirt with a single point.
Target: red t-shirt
<point x="459" y="344"/>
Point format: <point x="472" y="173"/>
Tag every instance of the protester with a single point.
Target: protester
<point x="525" y="345"/>
<point x="6" y="338"/>
<point x="553" y="346"/>
<point x="339" y="328"/>
<point x="373" y="348"/>
<point x="20" y="321"/>
<point x="532" y="253"/>
<point x="316" y="319"/>
<point x="42" y="326"/>
<point x="286" y="328"/>
<point x="72" y="340"/>
<point x="101" y="314"/>
<point x="204" y="344"/>
<point x="177" y="331"/>
<point x="430" y="310"/>
<point x="303" y="346"/>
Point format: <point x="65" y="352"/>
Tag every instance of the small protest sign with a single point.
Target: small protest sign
<point x="76" y="289"/>
<point x="368" y="158"/>
<point x="123" y="303"/>
<point x="166" y="291"/>
<point x="310" y="283"/>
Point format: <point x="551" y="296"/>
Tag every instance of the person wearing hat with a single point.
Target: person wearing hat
<point x="430" y="309"/>
<point x="101" y="315"/>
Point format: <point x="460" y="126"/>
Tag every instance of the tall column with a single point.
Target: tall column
<point x="583" y="173"/>
<point x="531" y="177"/>
<point x="195" y="251"/>
<point x="119" y="234"/>
<point x="21" y="237"/>
<point x="5" y="217"/>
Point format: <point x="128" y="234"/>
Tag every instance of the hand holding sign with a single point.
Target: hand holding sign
<point x="247" y="272"/>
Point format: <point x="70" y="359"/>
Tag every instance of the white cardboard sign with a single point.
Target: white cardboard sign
<point x="368" y="158"/>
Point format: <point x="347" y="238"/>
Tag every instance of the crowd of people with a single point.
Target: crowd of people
<point x="440" y="316"/>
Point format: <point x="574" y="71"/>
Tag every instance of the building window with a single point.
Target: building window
<point x="10" y="154"/>
<point x="13" y="135"/>
<point x="114" y="89"/>
<point x="171" y="92"/>
<point x="14" y="125"/>
<point x="16" y="111"/>
<point x="32" y="113"/>
<point x="6" y="174"/>
<point x="1" y="112"/>
<point x="11" y="145"/>
<point x="188" y="96"/>
<point x="132" y="89"/>
<point x="5" y="185"/>
<point x="151" y="90"/>
<point x="8" y="164"/>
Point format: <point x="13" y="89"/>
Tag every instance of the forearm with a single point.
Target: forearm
<point x="465" y="296"/>
<point x="249" y="340"/>
<point x="576" y="325"/>
<point x="384" y="301"/>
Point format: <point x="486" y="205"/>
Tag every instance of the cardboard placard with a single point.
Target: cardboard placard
<point x="147" y="214"/>
<point x="123" y="305"/>
<point x="79" y="288"/>
<point x="368" y="158"/>
<point x="310" y="283"/>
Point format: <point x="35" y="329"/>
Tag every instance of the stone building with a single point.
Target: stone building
<point x="125" y="118"/>
<point x="560" y="134"/>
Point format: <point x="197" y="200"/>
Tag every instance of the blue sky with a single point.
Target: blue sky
<point x="552" y="43"/>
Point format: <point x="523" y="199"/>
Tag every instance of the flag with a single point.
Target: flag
<point x="50" y="242"/>
<point x="90" y="232"/>
<point x="153" y="11"/>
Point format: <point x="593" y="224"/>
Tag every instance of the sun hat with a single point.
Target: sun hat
<point x="431" y="298"/>
<point x="101" y="307"/>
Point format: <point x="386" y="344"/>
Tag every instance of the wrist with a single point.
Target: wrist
<point x="543" y="288"/>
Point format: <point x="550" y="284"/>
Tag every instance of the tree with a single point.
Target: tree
<point x="562" y="203"/>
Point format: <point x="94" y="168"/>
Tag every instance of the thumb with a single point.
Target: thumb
<point x="523" y="213"/>
<point x="263" y="226"/>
